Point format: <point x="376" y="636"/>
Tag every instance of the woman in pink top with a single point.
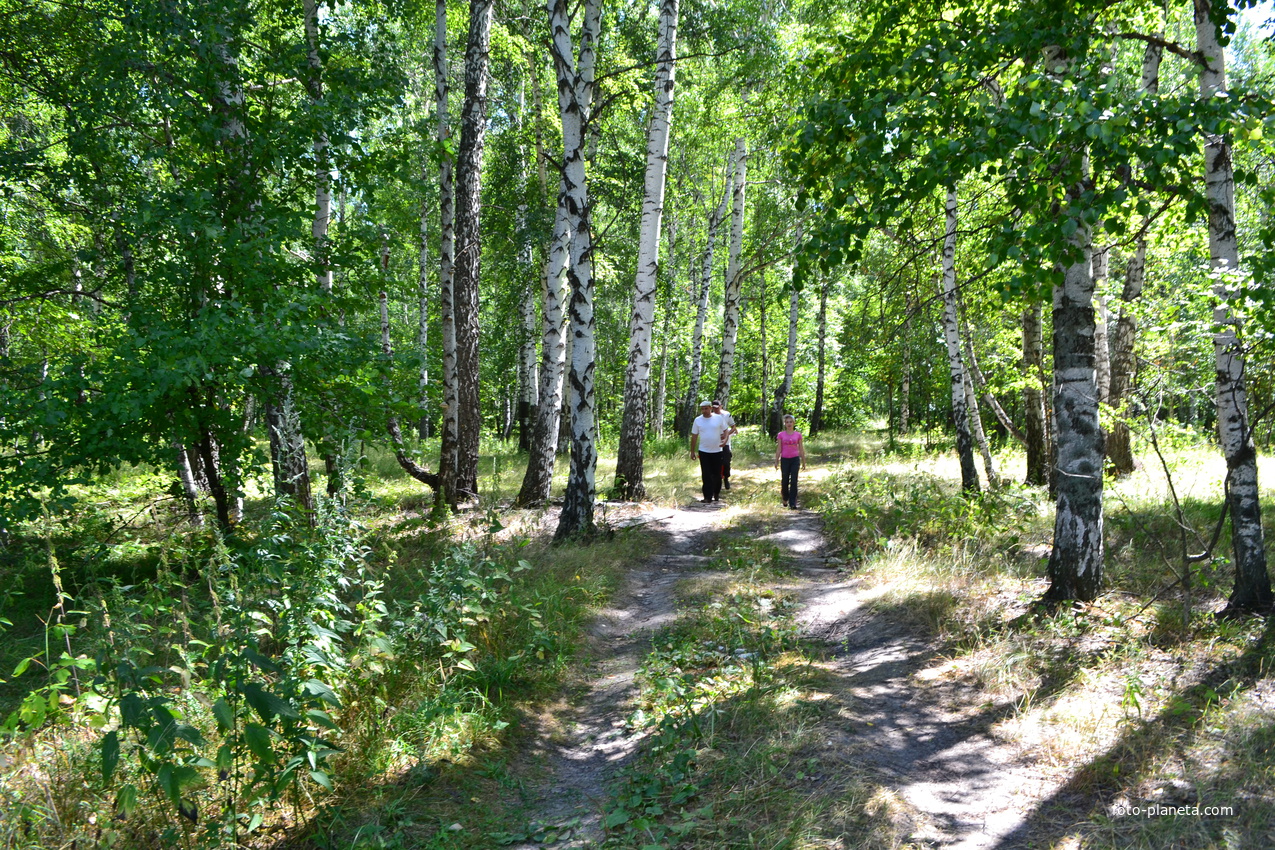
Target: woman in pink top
<point x="790" y="454"/>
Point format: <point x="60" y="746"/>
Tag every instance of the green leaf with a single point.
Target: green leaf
<point x="224" y="714"/>
<point x="322" y="718"/>
<point x="616" y="819"/>
<point x="321" y="778"/>
<point x="257" y="737"/>
<point x="126" y="800"/>
<point x="316" y="688"/>
<point x="268" y="705"/>
<point x="110" y="755"/>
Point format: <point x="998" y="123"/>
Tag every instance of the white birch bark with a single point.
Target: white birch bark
<point x="976" y="427"/>
<point x="955" y="365"/>
<point x="691" y="407"/>
<point x="734" y="280"/>
<point x="190" y="490"/>
<point x="575" y="96"/>
<point x="538" y="478"/>
<point x="629" y="485"/>
<point x="1076" y="562"/>
<point x="661" y="390"/>
<point x="528" y="378"/>
<point x="422" y="322"/>
<point x="1252" y="589"/>
<point x="448" y="459"/>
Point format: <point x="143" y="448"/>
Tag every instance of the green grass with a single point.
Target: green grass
<point x="1140" y="697"/>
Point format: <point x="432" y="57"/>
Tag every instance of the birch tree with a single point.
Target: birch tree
<point x="637" y="378"/>
<point x="955" y="364"/>
<point x="448" y="456"/>
<point x="465" y="308"/>
<point x="1076" y="561"/>
<point x="538" y="477"/>
<point x="816" y="416"/>
<point x="690" y="406"/>
<point x="575" y="96"/>
<point x="1252" y="583"/>
<point x="1035" y="430"/>
<point x="790" y="361"/>
<point x="734" y="278"/>
<point x="1123" y="364"/>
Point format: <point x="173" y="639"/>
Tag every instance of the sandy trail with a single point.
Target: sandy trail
<point x="925" y="738"/>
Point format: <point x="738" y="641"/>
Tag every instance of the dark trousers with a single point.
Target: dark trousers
<point x="725" y="462"/>
<point x="788" y="468"/>
<point x="710" y="470"/>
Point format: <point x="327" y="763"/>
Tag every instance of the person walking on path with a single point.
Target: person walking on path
<point x="731" y="430"/>
<point x="707" y="436"/>
<point x="790" y="455"/>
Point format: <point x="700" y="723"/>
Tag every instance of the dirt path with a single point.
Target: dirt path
<point x="926" y="739"/>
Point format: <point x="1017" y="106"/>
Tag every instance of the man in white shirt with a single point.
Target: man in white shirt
<point x="730" y="431"/>
<point x="707" y="435"/>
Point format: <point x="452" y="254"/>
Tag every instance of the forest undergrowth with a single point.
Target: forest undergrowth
<point x="1147" y="708"/>
<point x="362" y="683"/>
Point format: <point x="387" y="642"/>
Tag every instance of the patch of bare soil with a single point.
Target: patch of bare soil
<point x="925" y="737"/>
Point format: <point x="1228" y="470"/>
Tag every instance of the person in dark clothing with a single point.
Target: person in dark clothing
<point x="707" y="436"/>
<point x="731" y="430"/>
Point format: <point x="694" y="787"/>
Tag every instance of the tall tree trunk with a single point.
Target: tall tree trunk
<point x="955" y="365"/>
<point x="553" y="355"/>
<point x="1123" y="365"/>
<point x="575" y="97"/>
<point x="816" y="416"/>
<point x="790" y="360"/>
<point x="1102" y="352"/>
<point x="448" y="457"/>
<point x="1124" y="340"/>
<point x="422" y="323"/>
<point x="1076" y="562"/>
<point x="189" y="489"/>
<point x="1252" y="589"/>
<point x="763" y="308"/>
<point x="691" y="407"/>
<point x="734" y="277"/>
<point x="905" y="388"/>
<point x="221" y="468"/>
<point x="661" y="389"/>
<point x="528" y="379"/>
<point x="1036" y="432"/>
<point x="629" y="485"/>
<point x="322" y="199"/>
<point x="469" y="161"/>
<point x="538" y="477"/>
<point x="976" y="427"/>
